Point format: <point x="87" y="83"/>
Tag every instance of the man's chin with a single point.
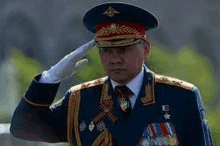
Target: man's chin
<point x="121" y="79"/>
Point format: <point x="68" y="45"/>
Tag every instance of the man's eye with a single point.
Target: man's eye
<point x="125" y="48"/>
<point x="107" y="50"/>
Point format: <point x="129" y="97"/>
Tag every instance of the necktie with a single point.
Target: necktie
<point x="123" y="92"/>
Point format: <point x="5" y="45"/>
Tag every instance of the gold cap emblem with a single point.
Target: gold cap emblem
<point x="113" y="26"/>
<point x="110" y="12"/>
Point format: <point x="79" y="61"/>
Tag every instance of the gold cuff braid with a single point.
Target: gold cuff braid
<point x="36" y="104"/>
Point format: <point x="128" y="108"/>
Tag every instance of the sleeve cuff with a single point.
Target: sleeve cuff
<point x="41" y="94"/>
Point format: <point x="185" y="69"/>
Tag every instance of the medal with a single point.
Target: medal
<point x="82" y="126"/>
<point x="123" y="104"/>
<point x="166" y="140"/>
<point x="173" y="140"/>
<point x="106" y="106"/>
<point x="159" y="140"/>
<point x="100" y="126"/>
<point x="166" y="116"/>
<point x="153" y="142"/>
<point x="91" y="126"/>
<point x="166" y="108"/>
<point x="145" y="142"/>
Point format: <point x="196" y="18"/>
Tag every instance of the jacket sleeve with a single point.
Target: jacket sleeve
<point x="35" y="119"/>
<point x="202" y="137"/>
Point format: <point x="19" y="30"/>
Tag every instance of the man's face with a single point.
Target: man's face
<point x="123" y="63"/>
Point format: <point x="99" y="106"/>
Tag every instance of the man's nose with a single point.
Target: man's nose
<point x="116" y="60"/>
<point x="116" y="57"/>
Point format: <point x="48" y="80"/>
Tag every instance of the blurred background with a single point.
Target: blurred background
<point x="36" y="34"/>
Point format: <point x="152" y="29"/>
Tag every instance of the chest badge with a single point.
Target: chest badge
<point x="82" y="126"/>
<point x="91" y="126"/>
<point x="166" y="109"/>
<point x="101" y="126"/>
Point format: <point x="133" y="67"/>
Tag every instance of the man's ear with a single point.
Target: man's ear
<point x="99" y="51"/>
<point x="147" y="50"/>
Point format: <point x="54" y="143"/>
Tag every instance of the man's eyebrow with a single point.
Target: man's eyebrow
<point x="105" y="48"/>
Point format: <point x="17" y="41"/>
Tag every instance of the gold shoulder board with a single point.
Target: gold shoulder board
<point x="88" y="84"/>
<point x="173" y="81"/>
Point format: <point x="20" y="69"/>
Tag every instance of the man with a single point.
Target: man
<point x="132" y="106"/>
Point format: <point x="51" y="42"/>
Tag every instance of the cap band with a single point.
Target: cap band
<point x="119" y="34"/>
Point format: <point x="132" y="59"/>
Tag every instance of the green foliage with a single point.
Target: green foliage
<point x="214" y="120"/>
<point x="94" y="69"/>
<point x="27" y="68"/>
<point x="186" y="65"/>
<point x="59" y="144"/>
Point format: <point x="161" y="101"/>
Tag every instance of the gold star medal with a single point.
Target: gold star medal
<point x="166" y="116"/>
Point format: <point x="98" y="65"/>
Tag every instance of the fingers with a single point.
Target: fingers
<point x="81" y="63"/>
<point x="86" y="47"/>
<point x="81" y="51"/>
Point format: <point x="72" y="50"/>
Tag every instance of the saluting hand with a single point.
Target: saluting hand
<point x="66" y="67"/>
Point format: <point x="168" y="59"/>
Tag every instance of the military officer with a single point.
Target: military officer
<point x="131" y="106"/>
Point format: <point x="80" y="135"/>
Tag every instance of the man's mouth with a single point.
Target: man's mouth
<point x="117" y="70"/>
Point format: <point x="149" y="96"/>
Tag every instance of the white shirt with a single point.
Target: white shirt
<point x="134" y="85"/>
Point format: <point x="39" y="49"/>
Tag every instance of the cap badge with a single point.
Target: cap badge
<point x="110" y="12"/>
<point x="113" y="26"/>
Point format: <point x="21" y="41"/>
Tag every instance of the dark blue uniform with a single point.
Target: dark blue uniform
<point x="167" y="110"/>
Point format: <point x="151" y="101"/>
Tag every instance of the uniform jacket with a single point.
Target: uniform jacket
<point x="167" y="111"/>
